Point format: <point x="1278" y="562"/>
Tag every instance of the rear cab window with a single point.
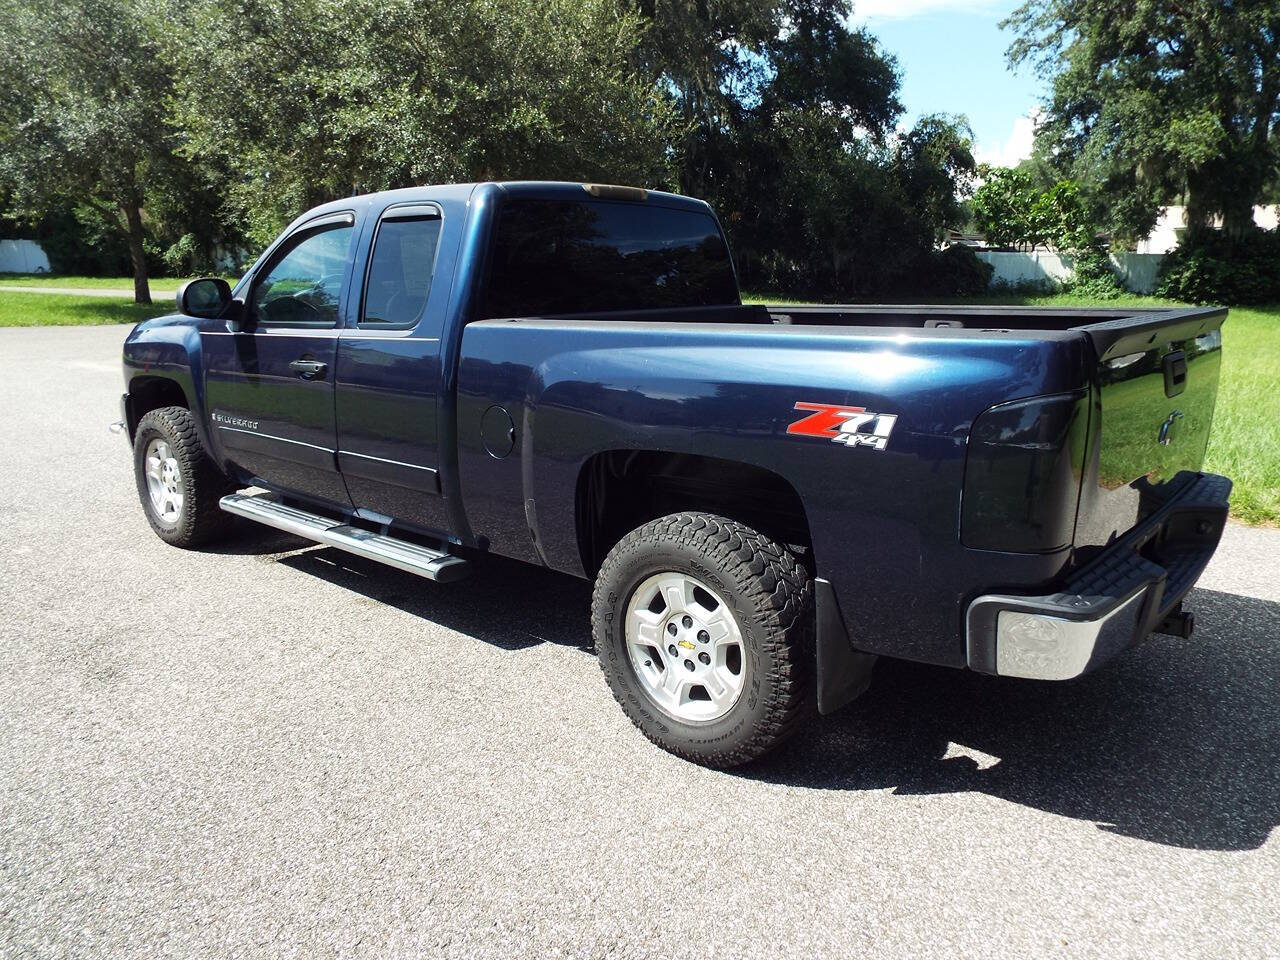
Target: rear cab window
<point x="401" y="267"/>
<point x="553" y="257"/>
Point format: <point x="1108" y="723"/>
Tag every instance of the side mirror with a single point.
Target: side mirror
<point x="206" y="298"/>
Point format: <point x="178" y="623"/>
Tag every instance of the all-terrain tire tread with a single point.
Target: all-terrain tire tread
<point x="204" y="484"/>
<point x="781" y="591"/>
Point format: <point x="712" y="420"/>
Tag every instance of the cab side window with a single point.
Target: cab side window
<point x="400" y="271"/>
<point x="303" y="286"/>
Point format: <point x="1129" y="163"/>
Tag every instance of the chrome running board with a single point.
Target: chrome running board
<point x="401" y="554"/>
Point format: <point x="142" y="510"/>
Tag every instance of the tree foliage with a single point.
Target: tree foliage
<point x="83" y="118"/>
<point x="315" y="99"/>
<point x="791" y="118"/>
<point x="190" y="124"/>
<point x="1012" y="209"/>
<point x="1157" y="99"/>
<point x="1002" y="207"/>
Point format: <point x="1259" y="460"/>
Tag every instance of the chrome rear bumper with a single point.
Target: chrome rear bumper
<point x="1111" y="604"/>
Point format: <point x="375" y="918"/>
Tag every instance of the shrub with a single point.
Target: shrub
<point x="1093" y="278"/>
<point x="958" y="271"/>
<point x="78" y="244"/>
<point x="1044" y="286"/>
<point x="1211" y="267"/>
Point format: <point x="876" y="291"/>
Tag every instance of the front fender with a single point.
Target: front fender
<point x="167" y="348"/>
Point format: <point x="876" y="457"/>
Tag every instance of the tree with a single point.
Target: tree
<point x="1158" y="99"/>
<point x="181" y="122"/>
<point x="83" y="93"/>
<point x="934" y="163"/>
<point x="726" y="63"/>
<point x="1012" y="209"/>
<point x="790" y="116"/>
<point x="310" y="100"/>
<point x="1002" y="207"/>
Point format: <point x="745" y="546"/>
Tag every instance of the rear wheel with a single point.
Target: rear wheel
<point x="178" y="484"/>
<point x="703" y="627"/>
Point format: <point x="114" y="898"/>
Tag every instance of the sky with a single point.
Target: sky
<point x="951" y="54"/>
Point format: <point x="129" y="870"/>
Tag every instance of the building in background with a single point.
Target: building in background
<point x="1172" y="225"/>
<point x="22" y="256"/>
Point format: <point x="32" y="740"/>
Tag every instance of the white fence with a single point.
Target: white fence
<point x="22" y="256"/>
<point x="1137" y="271"/>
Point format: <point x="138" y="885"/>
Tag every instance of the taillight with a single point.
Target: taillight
<point x="1022" y="474"/>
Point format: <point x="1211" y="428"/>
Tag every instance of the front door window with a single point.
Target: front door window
<point x="303" y="286"/>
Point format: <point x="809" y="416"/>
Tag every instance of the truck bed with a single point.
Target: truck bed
<point x="1113" y="331"/>
<point x="723" y="382"/>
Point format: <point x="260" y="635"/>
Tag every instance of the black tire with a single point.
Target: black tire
<point x="199" y="520"/>
<point x="771" y="597"/>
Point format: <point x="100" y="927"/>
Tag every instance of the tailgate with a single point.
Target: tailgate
<point x="1152" y="400"/>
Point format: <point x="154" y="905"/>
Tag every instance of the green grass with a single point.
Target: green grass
<point x="91" y="283"/>
<point x="18" y="309"/>
<point x="1244" y="443"/>
<point x="19" y="280"/>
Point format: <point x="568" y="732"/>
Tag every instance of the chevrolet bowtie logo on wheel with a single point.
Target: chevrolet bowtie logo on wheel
<point x="852" y="426"/>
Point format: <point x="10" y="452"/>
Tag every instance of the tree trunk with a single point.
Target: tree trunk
<point x="1226" y="188"/>
<point x="137" y="256"/>
<point x="1199" y="207"/>
<point x="1237" y="213"/>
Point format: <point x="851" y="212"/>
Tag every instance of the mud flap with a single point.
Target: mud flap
<point x="843" y="673"/>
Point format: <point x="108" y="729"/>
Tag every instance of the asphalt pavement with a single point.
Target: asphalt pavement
<point x="274" y="749"/>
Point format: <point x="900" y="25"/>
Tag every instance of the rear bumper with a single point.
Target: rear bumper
<point x="1111" y="604"/>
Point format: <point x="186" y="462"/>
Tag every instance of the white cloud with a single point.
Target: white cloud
<point x="1015" y="149"/>
<point x="903" y="9"/>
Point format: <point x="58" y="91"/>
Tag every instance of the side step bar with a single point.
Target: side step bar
<point x="401" y="554"/>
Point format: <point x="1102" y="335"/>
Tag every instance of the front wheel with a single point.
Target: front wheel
<point x="178" y="484"/>
<point x="703" y="628"/>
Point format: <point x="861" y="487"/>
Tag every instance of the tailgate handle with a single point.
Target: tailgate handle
<point x="1175" y="373"/>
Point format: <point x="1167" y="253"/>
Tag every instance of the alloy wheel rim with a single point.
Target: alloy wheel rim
<point x="165" y="485"/>
<point x="685" y="647"/>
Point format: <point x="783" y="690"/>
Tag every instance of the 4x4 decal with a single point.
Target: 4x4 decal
<point x="851" y="426"/>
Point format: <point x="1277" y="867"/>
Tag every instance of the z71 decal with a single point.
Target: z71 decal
<point x="852" y="426"/>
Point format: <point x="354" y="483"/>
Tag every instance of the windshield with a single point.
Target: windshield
<point x="559" y="256"/>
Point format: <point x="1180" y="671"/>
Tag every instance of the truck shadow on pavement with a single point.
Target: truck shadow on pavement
<point x="504" y="603"/>
<point x="1176" y="743"/>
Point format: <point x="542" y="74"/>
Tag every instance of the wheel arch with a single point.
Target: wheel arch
<point x="619" y="490"/>
<point x="151" y="392"/>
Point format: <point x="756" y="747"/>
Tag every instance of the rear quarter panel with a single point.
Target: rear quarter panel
<point x="884" y="524"/>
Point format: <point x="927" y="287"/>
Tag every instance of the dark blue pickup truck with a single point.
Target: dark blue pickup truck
<point x="768" y="497"/>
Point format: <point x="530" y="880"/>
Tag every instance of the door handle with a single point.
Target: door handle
<point x="308" y="369"/>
